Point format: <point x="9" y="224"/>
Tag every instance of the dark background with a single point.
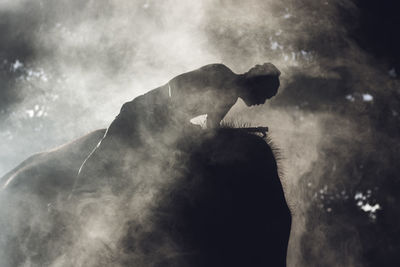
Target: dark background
<point x="67" y="66"/>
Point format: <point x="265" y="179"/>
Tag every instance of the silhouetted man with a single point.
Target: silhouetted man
<point x="212" y="90"/>
<point x="164" y="111"/>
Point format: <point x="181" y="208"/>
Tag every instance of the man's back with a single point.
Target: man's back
<point x="207" y="90"/>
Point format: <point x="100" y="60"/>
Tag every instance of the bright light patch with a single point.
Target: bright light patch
<point x="275" y="45"/>
<point x="200" y="120"/>
<point x="286" y="16"/>
<point x="30" y="113"/>
<point x="392" y="73"/>
<point x="18" y="64"/>
<point x="362" y="201"/>
<point x="368" y="208"/>
<point x="350" y="98"/>
<point x="367" y="97"/>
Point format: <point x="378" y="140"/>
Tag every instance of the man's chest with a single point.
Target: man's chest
<point x="205" y="101"/>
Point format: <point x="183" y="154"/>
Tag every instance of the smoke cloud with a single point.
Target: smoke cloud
<point x="66" y="67"/>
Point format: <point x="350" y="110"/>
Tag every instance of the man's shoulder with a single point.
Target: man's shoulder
<point x="217" y="67"/>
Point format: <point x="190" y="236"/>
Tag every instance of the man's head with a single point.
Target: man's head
<point x="260" y="83"/>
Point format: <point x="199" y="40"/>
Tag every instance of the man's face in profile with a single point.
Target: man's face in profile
<point x="261" y="83"/>
<point x="260" y="88"/>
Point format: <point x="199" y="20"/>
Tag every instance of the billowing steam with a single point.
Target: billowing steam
<point x="66" y="67"/>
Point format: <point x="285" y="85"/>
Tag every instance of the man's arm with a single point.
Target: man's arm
<point x="214" y="119"/>
<point x="209" y="90"/>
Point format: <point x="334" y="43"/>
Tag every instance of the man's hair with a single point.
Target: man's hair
<point x="267" y="69"/>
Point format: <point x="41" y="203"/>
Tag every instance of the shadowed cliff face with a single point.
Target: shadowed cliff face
<point x="212" y="199"/>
